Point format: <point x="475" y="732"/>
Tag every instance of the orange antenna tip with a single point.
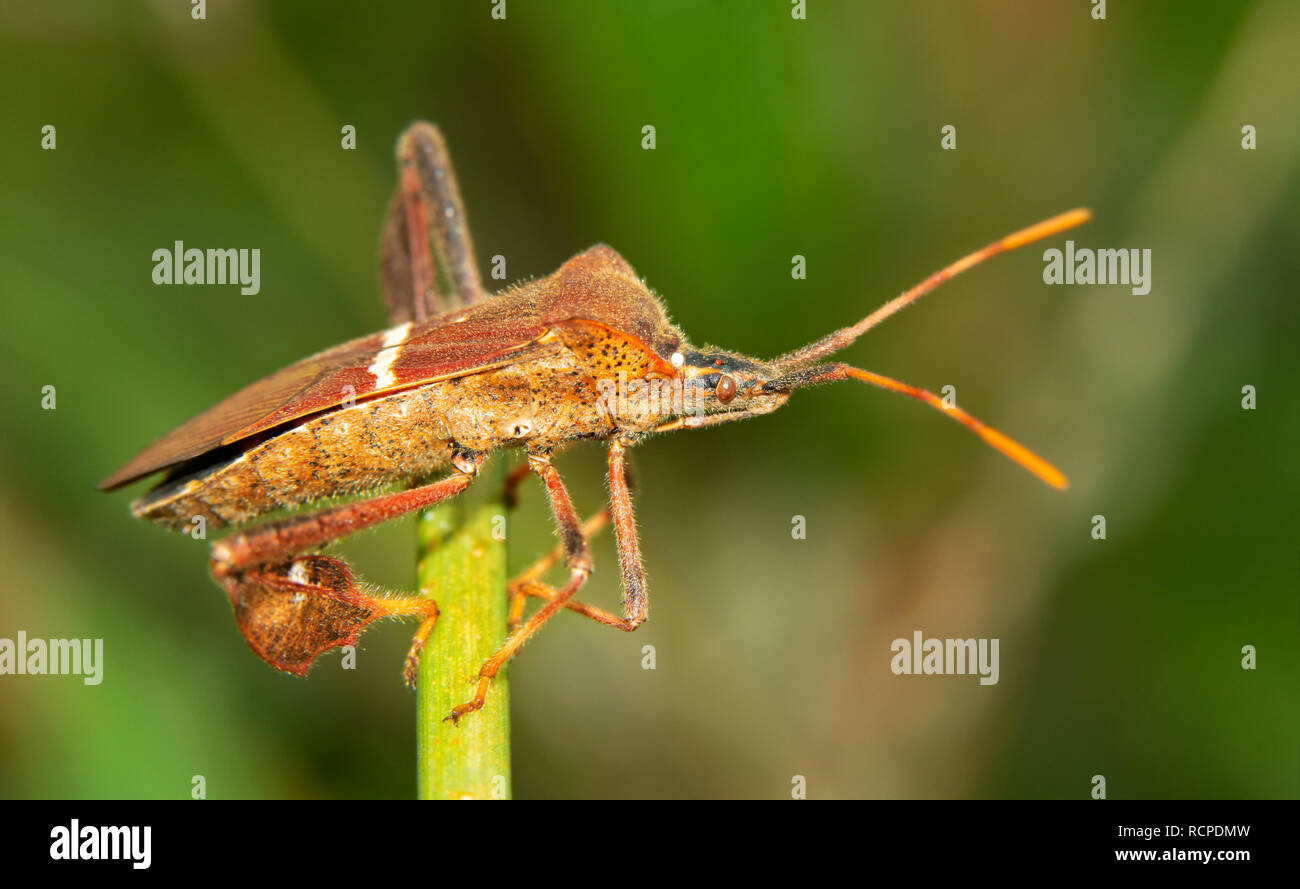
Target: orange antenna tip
<point x="1001" y="443"/>
<point x="1046" y="228"/>
<point x="1023" y="456"/>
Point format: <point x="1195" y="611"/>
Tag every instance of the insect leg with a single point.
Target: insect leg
<point x="276" y="540"/>
<point x="576" y="555"/>
<point x="510" y="489"/>
<point x="528" y="583"/>
<point x="574" y="547"/>
<point x="406" y="261"/>
<point x="427" y="204"/>
<point x="636" y="606"/>
<point x="291" y="609"/>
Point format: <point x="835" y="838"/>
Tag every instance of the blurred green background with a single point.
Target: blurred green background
<point x="775" y="137"/>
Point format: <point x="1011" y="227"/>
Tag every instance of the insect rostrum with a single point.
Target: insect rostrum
<point x="585" y="353"/>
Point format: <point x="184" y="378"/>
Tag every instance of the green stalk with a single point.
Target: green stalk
<point x="462" y="565"/>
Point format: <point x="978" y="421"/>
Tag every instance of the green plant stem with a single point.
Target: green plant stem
<point x="462" y="565"/>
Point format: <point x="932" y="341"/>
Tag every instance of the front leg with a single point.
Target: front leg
<point x="636" y="603"/>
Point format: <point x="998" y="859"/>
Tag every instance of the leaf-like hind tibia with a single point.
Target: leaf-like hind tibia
<point x="292" y="612"/>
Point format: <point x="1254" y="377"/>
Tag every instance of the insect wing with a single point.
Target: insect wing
<point x="488" y="335"/>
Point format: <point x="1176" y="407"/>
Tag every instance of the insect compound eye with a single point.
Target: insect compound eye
<point x="726" y="389"/>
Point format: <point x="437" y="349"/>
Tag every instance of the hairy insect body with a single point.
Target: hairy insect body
<point x="587" y="352"/>
<point x="543" y="403"/>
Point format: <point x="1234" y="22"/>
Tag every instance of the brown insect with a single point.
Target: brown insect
<point x="586" y="353"/>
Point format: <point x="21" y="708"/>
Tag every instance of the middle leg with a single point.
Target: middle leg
<point x="635" y="602"/>
<point x="576" y="556"/>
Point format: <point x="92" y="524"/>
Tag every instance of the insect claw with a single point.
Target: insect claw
<point x="411" y="671"/>
<point x="411" y="666"/>
<point x="475" y="703"/>
<point x="461" y="710"/>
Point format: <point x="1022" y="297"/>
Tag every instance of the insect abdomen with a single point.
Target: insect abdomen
<point x="344" y="451"/>
<point x="547" y="402"/>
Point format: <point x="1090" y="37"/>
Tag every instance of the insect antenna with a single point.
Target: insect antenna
<point x="1009" y="447"/>
<point x="838" y="340"/>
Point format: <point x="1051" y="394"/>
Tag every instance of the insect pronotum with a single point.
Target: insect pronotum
<point x="586" y="353"/>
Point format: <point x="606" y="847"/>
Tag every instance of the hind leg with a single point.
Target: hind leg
<point x="291" y="608"/>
